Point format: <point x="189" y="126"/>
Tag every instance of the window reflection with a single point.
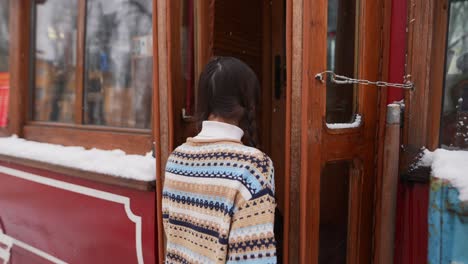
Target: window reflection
<point x="55" y="60"/>
<point x="341" y="59"/>
<point x="118" y="75"/>
<point x="4" y="57"/>
<point x="454" y="123"/>
<point x="4" y="35"/>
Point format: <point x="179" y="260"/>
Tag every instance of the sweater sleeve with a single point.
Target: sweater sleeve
<point x="251" y="238"/>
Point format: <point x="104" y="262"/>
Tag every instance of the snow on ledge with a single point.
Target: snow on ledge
<point x="449" y="165"/>
<point x="109" y="162"/>
<point x="356" y="123"/>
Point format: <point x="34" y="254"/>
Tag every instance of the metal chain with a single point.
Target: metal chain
<point x="340" y="79"/>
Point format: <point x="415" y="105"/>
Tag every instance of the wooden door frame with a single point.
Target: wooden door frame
<point x="319" y="145"/>
<point x="164" y="117"/>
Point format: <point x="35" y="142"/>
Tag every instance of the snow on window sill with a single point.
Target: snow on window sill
<point x="449" y="165"/>
<point x="109" y="162"/>
<point x="355" y="124"/>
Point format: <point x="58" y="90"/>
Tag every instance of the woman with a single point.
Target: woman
<point x="218" y="197"/>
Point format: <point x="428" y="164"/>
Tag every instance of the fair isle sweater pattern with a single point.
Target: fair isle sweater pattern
<point x="218" y="204"/>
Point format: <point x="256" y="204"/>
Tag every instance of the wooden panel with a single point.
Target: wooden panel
<point x="80" y="65"/>
<point x="164" y="85"/>
<point x="238" y="31"/>
<point x="277" y="111"/>
<point x="165" y="140"/>
<point x="204" y="34"/>
<point x="426" y="47"/>
<point x="313" y="112"/>
<point x="426" y="57"/>
<point x="439" y="40"/>
<point x="382" y="109"/>
<point x="321" y="145"/>
<point x="267" y="82"/>
<point x="20" y="16"/>
<point x="157" y="130"/>
<point x="132" y="143"/>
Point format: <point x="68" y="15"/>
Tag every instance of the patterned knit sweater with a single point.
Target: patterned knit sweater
<point x="218" y="200"/>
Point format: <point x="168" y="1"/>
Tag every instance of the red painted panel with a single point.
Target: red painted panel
<point x="74" y="227"/>
<point x="411" y="237"/>
<point x="397" y="48"/>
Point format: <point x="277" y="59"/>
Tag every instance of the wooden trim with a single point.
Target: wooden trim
<point x="70" y="136"/>
<point x="203" y="35"/>
<point x="354" y="210"/>
<point x="419" y="66"/>
<point x="436" y="83"/>
<point x="161" y="114"/>
<point x="295" y="73"/>
<point x="82" y="174"/>
<point x="157" y="138"/>
<point x="91" y="127"/>
<point x="164" y="105"/>
<point x="80" y="62"/>
<point x="170" y="99"/>
<point x="313" y="112"/>
<point x="20" y="28"/>
<point x="321" y="145"/>
<point x="287" y="144"/>
<point x="265" y="100"/>
<point x="380" y="134"/>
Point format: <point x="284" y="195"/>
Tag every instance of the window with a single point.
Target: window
<point x="96" y="73"/>
<point x="341" y="59"/>
<point x="4" y="61"/>
<point x="119" y="63"/>
<point x="454" y="120"/>
<point x="55" y="61"/>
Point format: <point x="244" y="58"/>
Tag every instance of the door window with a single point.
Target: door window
<point x="341" y="32"/>
<point x="454" y="120"/>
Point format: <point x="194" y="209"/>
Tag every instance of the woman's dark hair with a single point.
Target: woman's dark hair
<point x="229" y="89"/>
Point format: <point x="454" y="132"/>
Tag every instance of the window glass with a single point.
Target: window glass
<point x="341" y="59"/>
<point x="4" y="57"/>
<point x="187" y="58"/>
<point x="55" y="60"/>
<point x="118" y="74"/>
<point x="454" y="122"/>
<point x="334" y="199"/>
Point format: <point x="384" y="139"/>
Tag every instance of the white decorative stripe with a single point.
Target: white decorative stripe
<point x="38" y="252"/>
<point x="5" y="247"/>
<point x="230" y="183"/>
<point x="4" y="255"/>
<point x="81" y="190"/>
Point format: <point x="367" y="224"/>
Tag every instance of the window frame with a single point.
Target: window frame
<point x="4" y="131"/>
<point x="440" y="57"/>
<point x="130" y="140"/>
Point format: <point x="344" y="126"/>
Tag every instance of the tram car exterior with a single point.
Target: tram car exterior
<point x="94" y="95"/>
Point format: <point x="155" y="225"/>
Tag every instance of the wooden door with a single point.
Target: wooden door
<point x="338" y="130"/>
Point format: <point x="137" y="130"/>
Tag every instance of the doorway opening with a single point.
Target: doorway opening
<point x="252" y="31"/>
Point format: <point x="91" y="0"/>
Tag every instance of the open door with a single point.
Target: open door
<point x="339" y="130"/>
<point x="253" y="31"/>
